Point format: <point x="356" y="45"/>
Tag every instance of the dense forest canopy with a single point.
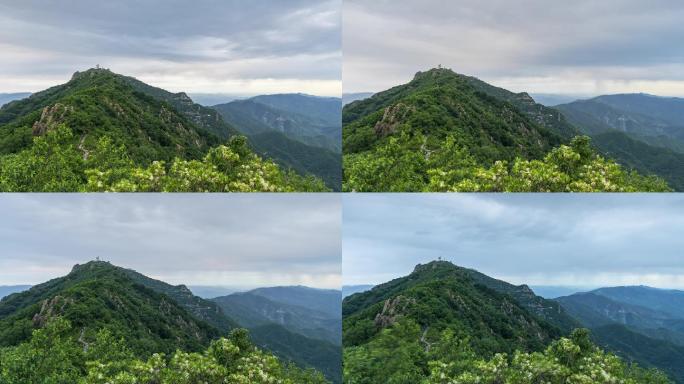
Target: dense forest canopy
<point x="106" y="132"/>
<point x="106" y="324"/>
<point x="448" y="132"/>
<point x="446" y="324"/>
<point x="54" y="355"/>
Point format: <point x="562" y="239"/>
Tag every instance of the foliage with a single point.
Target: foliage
<point x="403" y="164"/>
<point x="55" y="164"/>
<point x="157" y="141"/>
<point x="51" y="356"/>
<point x="301" y="350"/>
<point x="445" y="325"/>
<point x="97" y="296"/>
<point x="440" y="103"/>
<point x="573" y="360"/>
<point x="448" y="132"/>
<point x="397" y="356"/>
<point x="440" y="296"/>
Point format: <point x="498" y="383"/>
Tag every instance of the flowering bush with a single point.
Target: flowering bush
<point x="405" y="164"/>
<point x="51" y="357"/>
<point x="55" y="164"/>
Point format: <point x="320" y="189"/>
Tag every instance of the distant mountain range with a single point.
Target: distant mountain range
<point x="348" y="290"/>
<point x="7" y="97"/>
<point x="153" y="316"/>
<point x="639" y="323"/>
<point x="641" y="131"/>
<point x="296" y="130"/>
<point x="298" y="323"/>
<point x="351" y="97"/>
<point x="6" y="290"/>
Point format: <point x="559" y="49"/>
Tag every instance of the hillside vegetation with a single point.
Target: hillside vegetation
<point x="105" y="324"/>
<point x="446" y="324"/>
<point x="106" y="132"/>
<point x="643" y="132"/>
<point x="448" y="132"/>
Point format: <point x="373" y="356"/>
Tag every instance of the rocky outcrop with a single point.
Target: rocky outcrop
<point x="50" y="118"/>
<point x="393" y="116"/>
<point x="392" y="310"/>
<point x="49" y="309"/>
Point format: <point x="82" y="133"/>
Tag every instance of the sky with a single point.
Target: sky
<point x="203" y="46"/>
<point x="582" y="47"/>
<point x="231" y="240"/>
<point x="572" y="240"/>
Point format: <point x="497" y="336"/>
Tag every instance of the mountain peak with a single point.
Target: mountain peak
<point x="435" y="264"/>
<point x="93" y="264"/>
<point x="92" y="72"/>
<point x="434" y="72"/>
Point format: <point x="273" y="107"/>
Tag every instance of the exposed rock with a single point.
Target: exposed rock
<point x="50" y="308"/>
<point x="392" y="310"/>
<point x="50" y="118"/>
<point x="392" y="117"/>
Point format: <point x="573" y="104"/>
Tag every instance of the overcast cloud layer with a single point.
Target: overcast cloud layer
<point x="211" y="46"/>
<point x="228" y="240"/>
<point x="535" y="239"/>
<point x="575" y="47"/>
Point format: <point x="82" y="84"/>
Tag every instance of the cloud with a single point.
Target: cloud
<point x="207" y="45"/>
<point x="573" y="47"/>
<point x="228" y="240"/>
<point x="538" y="239"/>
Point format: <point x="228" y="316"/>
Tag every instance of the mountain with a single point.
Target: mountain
<point x="443" y="323"/>
<point x="595" y="310"/>
<point x="447" y="132"/>
<point x="646" y="351"/>
<point x="7" y="97"/>
<point x="106" y="322"/>
<point x="325" y="110"/>
<point x="440" y="295"/>
<point x="641" y="131"/>
<point x="348" y="290"/>
<point x="98" y="102"/>
<point x="348" y="98"/>
<point x="6" y="290"/>
<point x="323" y="300"/>
<point x="253" y="116"/>
<point x="298" y="131"/>
<point x="670" y="301"/>
<point x="440" y="102"/>
<point x="99" y="295"/>
<point x="639" y="323"/>
<point x="303" y="351"/>
<point x="102" y="131"/>
<point x="251" y="310"/>
<point x="300" y="324"/>
<point x="303" y="158"/>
